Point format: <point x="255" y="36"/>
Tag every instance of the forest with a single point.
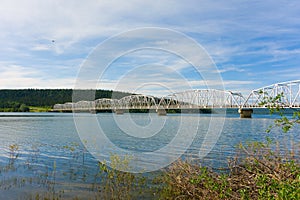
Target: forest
<point x="20" y="100"/>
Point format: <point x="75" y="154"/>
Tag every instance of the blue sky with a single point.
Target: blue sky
<point x="252" y="43"/>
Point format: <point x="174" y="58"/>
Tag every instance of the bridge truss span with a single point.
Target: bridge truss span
<point x="138" y="102"/>
<point x="202" y="98"/>
<point x="106" y="104"/>
<point x="289" y="95"/>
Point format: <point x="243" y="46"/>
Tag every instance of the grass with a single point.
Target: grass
<point x="39" y="109"/>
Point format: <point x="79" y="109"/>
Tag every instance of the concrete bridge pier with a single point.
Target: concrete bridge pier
<point x="93" y="111"/>
<point x="119" y="111"/>
<point x="161" y="112"/>
<point x="245" y="112"/>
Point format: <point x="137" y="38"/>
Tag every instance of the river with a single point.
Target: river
<point x="39" y="147"/>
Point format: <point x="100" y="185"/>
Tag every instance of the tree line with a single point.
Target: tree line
<point x="18" y="100"/>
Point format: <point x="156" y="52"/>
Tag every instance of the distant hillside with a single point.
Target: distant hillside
<point x="14" y="99"/>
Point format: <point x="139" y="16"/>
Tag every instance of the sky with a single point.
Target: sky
<point x="251" y="44"/>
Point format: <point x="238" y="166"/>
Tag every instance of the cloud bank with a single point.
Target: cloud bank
<point x="44" y="43"/>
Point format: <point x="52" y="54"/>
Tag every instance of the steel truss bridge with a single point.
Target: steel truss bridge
<point x="287" y="93"/>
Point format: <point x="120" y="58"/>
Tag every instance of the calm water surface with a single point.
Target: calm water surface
<point x="48" y="143"/>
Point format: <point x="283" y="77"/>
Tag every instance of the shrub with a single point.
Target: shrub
<point x="257" y="172"/>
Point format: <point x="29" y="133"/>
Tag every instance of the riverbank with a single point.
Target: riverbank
<point x="228" y="111"/>
<point x="40" y="109"/>
<point x="25" y="108"/>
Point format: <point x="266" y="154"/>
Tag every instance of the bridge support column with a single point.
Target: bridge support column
<point x="119" y="111"/>
<point x="245" y="112"/>
<point x="93" y="111"/>
<point x="161" y="112"/>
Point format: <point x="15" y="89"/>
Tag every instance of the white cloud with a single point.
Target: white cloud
<point x="231" y="69"/>
<point x="18" y="77"/>
<point x="231" y="31"/>
<point x="41" y="48"/>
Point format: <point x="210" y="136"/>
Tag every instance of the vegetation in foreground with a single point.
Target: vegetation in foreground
<point x="257" y="172"/>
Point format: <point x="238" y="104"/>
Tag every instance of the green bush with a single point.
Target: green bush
<point x="257" y="172"/>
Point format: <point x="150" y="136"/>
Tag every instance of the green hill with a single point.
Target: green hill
<point x="19" y="100"/>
